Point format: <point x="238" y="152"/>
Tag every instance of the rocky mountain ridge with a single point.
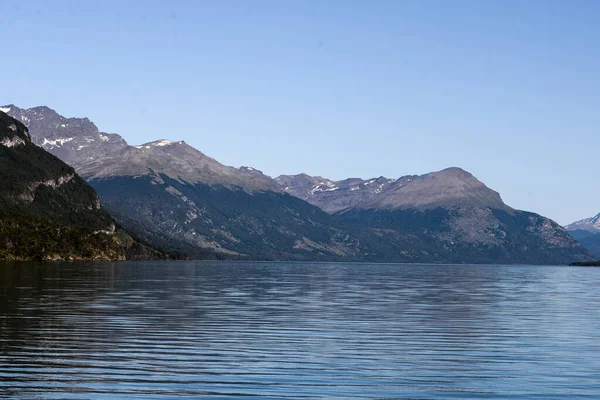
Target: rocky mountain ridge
<point x="73" y="140"/>
<point x="449" y="187"/>
<point x="591" y="225"/>
<point x="333" y="196"/>
<point x="78" y="142"/>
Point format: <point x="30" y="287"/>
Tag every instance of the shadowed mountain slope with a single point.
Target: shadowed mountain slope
<point x="48" y="212"/>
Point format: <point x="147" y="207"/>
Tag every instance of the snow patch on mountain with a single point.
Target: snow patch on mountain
<point x="158" y="143"/>
<point x="56" y="142"/>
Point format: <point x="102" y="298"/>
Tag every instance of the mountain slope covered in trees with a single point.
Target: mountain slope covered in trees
<point x="47" y="212"/>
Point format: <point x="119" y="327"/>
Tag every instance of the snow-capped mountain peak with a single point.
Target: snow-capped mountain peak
<point x="588" y="224"/>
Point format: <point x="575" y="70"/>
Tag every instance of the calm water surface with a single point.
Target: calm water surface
<point x="292" y="330"/>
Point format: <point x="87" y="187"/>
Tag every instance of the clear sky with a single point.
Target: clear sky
<point x="509" y="90"/>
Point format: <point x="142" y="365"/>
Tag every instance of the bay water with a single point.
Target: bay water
<point x="222" y="330"/>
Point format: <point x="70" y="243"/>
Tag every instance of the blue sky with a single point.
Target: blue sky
<point x="509" y="90"/>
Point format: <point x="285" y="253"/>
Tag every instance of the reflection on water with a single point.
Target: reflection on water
<point x="290" y="330"/>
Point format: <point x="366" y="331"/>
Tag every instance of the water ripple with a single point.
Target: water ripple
<point x="298" y="331"/>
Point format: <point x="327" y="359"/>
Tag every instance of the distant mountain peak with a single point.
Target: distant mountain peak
<point x="588" y="224"/>
<point x="457" y="172"/>
<point x="447" y="188"/>
<point x="332" y="196"/>
<point x="42" y="109"/>
<point x="6" y="109"/>
<point x="73" y="140"/>
<point x="98" y="155"/>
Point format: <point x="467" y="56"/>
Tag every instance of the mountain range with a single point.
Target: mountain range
<point x="448" y="213"/>
<point x="175" y="197"/>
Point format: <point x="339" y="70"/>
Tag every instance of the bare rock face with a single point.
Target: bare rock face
<point x="73" y="140"/>
<point x="96" y="155"/>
